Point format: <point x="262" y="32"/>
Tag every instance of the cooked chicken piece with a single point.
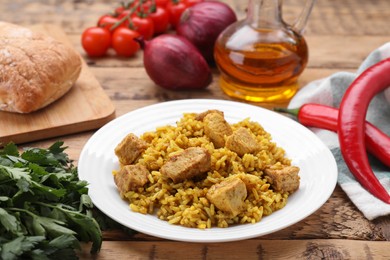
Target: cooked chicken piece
<point x="192" y="162"/>
<point x="283" y="179"/>
<point x="129" y="149"/>
<point x="242" y="141"/>
<point x="131" y="177"/>
<point x="216" y="128"/>
<point x="202" y="115"/>
<point x="228" y="196"/>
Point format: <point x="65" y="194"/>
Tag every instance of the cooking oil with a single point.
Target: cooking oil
<point x="261" y="71"/>
<point x="261" y="57"/>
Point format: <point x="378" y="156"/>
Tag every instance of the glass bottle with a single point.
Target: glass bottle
<point x="261" y="56"/>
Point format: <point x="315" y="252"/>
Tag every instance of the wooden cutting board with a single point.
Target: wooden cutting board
<point x="85" y="107"/>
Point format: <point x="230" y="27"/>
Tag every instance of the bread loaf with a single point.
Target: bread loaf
<point x="35" y="69"/>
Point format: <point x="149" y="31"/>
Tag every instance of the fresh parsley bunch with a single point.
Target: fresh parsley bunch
<point x="44" y="208"/>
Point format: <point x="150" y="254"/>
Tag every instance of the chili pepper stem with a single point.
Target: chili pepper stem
<point x="291" y="111"/>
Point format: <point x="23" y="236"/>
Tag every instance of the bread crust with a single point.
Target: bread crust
<point x="35" y="69"/>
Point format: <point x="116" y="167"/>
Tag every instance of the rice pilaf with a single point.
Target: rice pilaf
<point x="187" y="203"/>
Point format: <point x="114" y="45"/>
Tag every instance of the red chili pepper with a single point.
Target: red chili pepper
<point x="325" y="117"/>
<point x="351" y="127"/>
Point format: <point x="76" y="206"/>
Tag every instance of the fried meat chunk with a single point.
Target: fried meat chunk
<point x="191" y="162"/>
<point x="202" y="115"/>
<point x="228" y="195"/>
<point x="216" y="128"/>
<point x="131" y="177"/>
<point x="129" y="149"/>
<point x="283" y="179"/>
<point x="242" y="141"/>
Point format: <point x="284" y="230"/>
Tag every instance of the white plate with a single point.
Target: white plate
<point x="318" y="169"/>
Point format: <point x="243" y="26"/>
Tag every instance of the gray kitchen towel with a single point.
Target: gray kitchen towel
<point x="329" y="91"/>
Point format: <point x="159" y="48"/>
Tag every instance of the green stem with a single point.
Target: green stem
<point x="126" y="17"/>
<point x="153" y="7"/>
<point x="57" y="206"/>
<point x="291" y="111"/>
<point x="22" y="210"/>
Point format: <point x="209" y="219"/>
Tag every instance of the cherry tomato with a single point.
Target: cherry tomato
<point x="143" y="25"/>
<point x="145" y="7"/>
<point x="160" y="20"/>
<point x="123" y="42"/>
<point x="119" y="10"/>
<point x="107" y="21"/>
<point x="190" y="3"/>
<point x="96" y="41"/>
<point x="175" y="10"/>
<point x="161" y="3"/>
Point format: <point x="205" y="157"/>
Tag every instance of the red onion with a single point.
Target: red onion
<point x="173" y="62"/>
<point x="202" y="23"/>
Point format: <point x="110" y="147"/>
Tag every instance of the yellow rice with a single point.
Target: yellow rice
<point x="186" y="203"/>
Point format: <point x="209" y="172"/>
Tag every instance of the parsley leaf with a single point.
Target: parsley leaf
<point x="45" y="210"/>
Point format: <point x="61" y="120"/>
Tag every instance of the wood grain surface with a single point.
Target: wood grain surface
<point x="340" y="34"/>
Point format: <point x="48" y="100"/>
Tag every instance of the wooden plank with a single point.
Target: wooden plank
<point x="352" y="17"/>
<point x="340" y="35"/>
<point x="86" y="106"/>
<point x="341" y="52"/>
<point x="248" y="249"/>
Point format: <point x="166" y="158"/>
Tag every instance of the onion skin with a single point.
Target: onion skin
<point x="202" y="23"/>
<point x="172" y="62"/>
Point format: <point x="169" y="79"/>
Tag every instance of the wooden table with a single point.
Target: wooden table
<point x="340" y="34"/>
